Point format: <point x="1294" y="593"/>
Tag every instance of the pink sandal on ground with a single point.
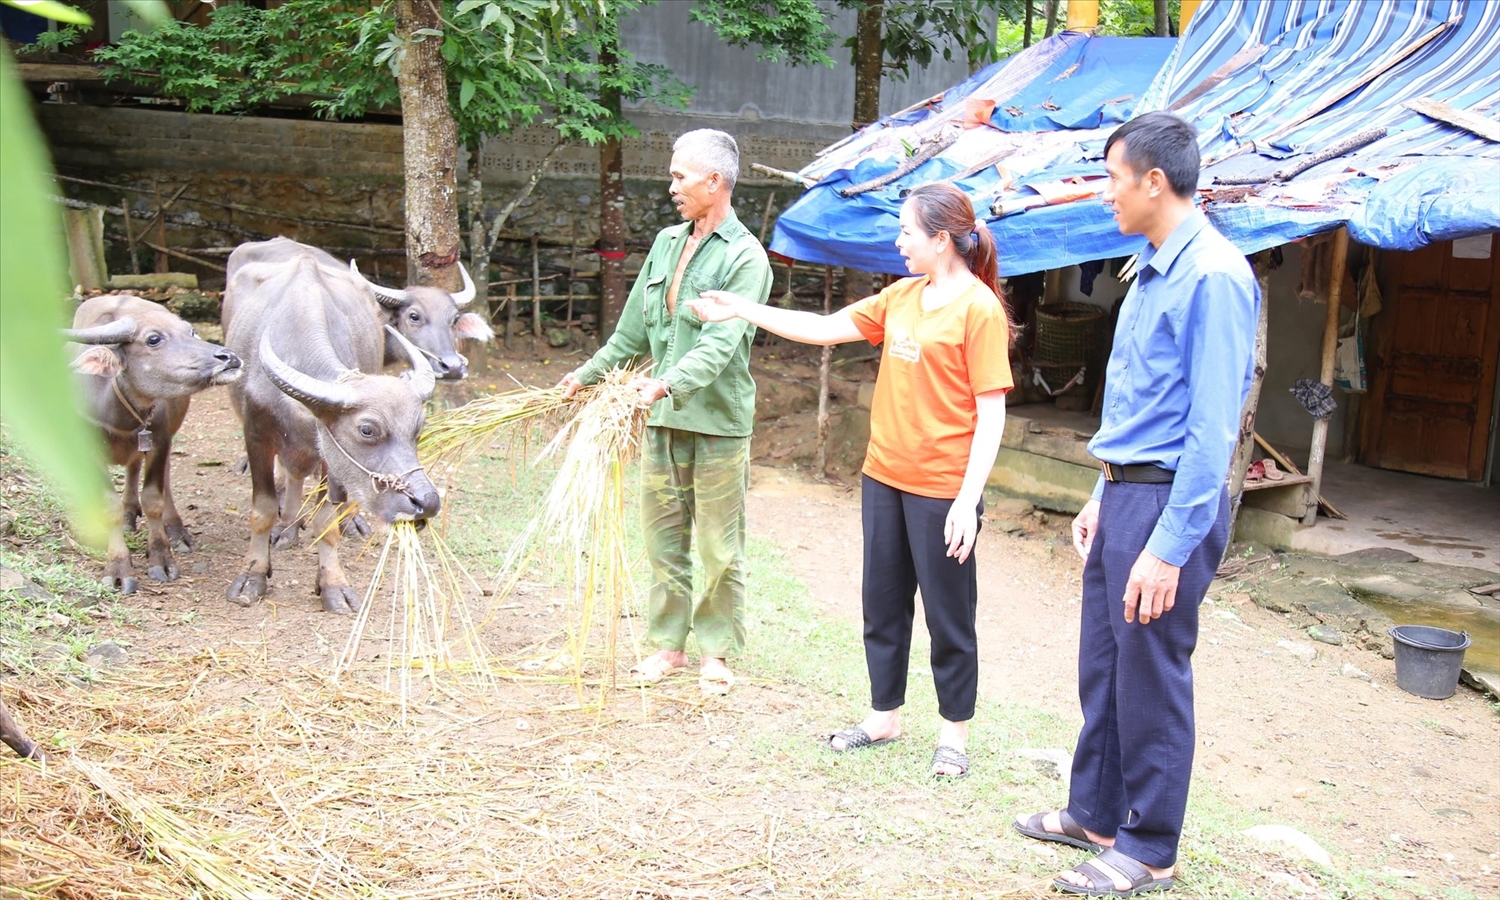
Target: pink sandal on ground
<point x="1270" y="471"/>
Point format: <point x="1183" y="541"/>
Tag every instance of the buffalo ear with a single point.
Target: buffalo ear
<point x="101" y="360"/>
<point x="473" y="327"/>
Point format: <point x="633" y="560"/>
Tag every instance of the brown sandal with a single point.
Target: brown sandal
<point x="1072" y="833"/>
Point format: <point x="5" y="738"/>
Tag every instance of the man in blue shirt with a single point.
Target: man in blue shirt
<point x="1156" y="527"/>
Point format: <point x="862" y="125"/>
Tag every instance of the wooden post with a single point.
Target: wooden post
<point x="510" y="312"/>
<point x="1246" y="444"/>
<point x="536" y="290"/>
<point x="572" y="263"/>
<point x="85" y="233"/>
<point x="161" y="231"/>
<point x="825" y="368"/>
<point x="135" y="264"/>
<point x="1330" y="347"/>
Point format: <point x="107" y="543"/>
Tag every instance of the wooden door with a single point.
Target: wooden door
<point x="1433" y="361"/>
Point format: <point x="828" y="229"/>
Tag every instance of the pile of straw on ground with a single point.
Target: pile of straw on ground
<point x="216" y="776"/>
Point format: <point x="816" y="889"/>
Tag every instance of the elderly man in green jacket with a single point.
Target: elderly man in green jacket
<point x="696" y="455"/>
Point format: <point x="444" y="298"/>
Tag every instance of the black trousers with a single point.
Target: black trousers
<point x="904" y="551"/>
<point x="1135" y="683"/>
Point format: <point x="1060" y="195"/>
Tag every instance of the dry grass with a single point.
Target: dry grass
<point x="216" y="776"/>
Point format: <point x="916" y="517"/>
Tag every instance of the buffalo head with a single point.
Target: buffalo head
<point x="369" y="429"/>
<point x="152" y="351"/>
<point x="430" y="318"/>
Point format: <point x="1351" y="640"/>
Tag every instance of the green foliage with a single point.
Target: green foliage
<point x="789" y="31"/>
<point x="51" y="9"/>
<point x="1134" y="18"/>
<point x="37" y="391"/>
<point x="509" y="64"/>
<point x="52" y="41"/>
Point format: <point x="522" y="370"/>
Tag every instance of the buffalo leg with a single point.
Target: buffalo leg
<point x="284" y="533"/>
<point x="160" y="563"/>
<point x="118" y="575"/>
<point x="177" y="534"/>
<point x="250" y="586"/>
<point x="16" y="739"/>
<point x="333" y="584"/>
<point x="130" y="505"/>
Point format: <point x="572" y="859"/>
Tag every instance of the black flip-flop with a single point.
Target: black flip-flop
<point x="945" y="755"/>
<point x="1072" y="833"/>
<point x="1141" y="879"/>
<point x="854" y="738"/>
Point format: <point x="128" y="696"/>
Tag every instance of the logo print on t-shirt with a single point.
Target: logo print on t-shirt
<point x="906" y="349"/>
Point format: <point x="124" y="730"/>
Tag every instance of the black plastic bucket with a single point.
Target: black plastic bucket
<point x="1428" y="660"/>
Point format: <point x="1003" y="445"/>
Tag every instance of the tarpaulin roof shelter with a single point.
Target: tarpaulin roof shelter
<point x="1326" y="86"/>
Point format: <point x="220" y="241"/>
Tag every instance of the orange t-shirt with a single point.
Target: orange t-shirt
<point x="932" y="365"/>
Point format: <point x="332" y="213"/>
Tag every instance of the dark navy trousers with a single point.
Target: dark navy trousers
<point x="1135" y="682"/>
<point x="904" y="550"/>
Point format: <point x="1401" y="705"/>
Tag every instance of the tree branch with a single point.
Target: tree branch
<point x="536" y="175"/>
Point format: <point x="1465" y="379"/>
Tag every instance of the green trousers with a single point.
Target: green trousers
<point x="695" y="482"/>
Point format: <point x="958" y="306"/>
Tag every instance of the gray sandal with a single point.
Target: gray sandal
<point x="1102" y="885"/>
<point x="1072" y="833"/>
<point x="950" y="756"/>
<point x="854" y="738"/>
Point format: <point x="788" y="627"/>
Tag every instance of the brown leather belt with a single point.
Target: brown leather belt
<point x="1141" y="474"/>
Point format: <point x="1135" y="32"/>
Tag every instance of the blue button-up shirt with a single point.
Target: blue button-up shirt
<point x="1178" y="376"/>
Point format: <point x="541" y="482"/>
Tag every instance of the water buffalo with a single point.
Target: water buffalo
<point x="429" y="317"/>
<point x="314" y="398"/>
<point x="139" y="364"/>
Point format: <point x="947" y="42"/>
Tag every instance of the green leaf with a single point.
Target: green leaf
<point x="154" y="12"/>
<point x="37" y="391"/>
<point x="433" y="32"/>
<point x="51" y="9"/>
<point x="468" y="5"/>
<point x="465" y="93"/>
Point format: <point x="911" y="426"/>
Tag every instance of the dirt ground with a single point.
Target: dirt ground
<point x="1390" y="782"/>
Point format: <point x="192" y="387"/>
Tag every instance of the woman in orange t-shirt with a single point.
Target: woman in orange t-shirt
<point x="935" y="427"/>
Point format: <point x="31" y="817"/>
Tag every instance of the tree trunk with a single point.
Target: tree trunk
<point x="1030" y="17"/>
<point x="612" y="287"/>
<point x="1051" y="18"/>
<point x="479" y="245"/>
<point x="1163" y="20"/>
<point x="869" y="57"/>
<point x="429" y="141"/>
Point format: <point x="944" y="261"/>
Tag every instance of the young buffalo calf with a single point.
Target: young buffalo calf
<point x="139" y="364"/>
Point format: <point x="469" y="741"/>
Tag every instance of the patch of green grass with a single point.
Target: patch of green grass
<point x="44" y="625"/>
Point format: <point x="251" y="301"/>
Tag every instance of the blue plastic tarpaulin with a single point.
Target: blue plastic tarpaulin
<point x="1266" y="83"/>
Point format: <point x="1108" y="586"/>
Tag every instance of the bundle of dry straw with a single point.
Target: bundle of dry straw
<point x="581" y="525"/>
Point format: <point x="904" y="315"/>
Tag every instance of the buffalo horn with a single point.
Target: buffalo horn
<point x="421" y="374"/>
<point x="117" y="332"/>
<point x="314" y="393"/>
<point x="466" y="296"/>
<point x="390" y="297"/>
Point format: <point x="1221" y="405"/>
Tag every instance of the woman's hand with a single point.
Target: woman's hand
<point x="960" y="529"/>
<point x="717" y="306"/>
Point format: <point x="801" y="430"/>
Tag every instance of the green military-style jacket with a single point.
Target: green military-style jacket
<point x="706" y="364"/>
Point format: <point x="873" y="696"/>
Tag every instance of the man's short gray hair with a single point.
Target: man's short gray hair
<point x="713" y="150"/>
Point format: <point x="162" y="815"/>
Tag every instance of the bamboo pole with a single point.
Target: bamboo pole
<point x="510" y="312"/>
<point x="824" y="371"/>
<point x="135" y="264"/>
<point x="536" y="291"/>
<point x="1330" y="346"/>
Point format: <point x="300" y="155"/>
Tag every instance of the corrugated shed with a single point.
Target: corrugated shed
<point x="1273" y="85"/>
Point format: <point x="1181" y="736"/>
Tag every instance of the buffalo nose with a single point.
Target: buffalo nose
<point x="427" y="504"/>
<point x="228" y="358"/>
<point x="450" y="368"/>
